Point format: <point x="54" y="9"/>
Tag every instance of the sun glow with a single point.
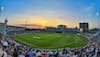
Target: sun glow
<point x="41" y="21"/>
<point x="44" y="21"/>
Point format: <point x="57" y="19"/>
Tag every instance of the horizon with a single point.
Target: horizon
<point x="50" y="13"/>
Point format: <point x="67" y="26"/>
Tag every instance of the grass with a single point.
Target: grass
<point x="52" y="40"/>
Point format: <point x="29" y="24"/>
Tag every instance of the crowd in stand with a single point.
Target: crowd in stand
<point x="10" y="48"/>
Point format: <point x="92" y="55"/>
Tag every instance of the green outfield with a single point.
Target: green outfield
<point x="52" y="40"/>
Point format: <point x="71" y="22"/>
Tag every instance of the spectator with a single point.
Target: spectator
<point x="30" y="53"/>
<point x="15" y="53"/>
<point x="4" y="44"/>
<point x="1" y="52"/>
<point x="4" y="54"/>
<point x="21" y="55"/>
<point x="38" y="53"/>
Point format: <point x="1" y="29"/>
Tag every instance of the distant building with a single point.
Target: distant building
<point x="84" y="27"/>
<point x="71" y="30"/>
<point x="10" y="28"/>
<point x="51" y="29"/>
<point x="2" y="28"/>
<point x="61" y="27"/>
<point x="15" y="28"/>
<point x="65" y="29"/>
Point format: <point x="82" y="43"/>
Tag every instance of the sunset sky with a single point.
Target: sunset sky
<point x="50" y="12"/>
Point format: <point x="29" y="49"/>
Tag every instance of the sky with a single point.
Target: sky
<point x="41" y="13"/>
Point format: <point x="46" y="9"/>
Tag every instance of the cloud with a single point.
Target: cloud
<point x="89" y="10"/>
<point x="48" y="13"/>
<point x="90" y="7"/>
<point x="31" y="25"/>
<point x="42" y="17"/>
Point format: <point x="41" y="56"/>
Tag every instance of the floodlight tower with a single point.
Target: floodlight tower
<point x="97" y="14"/>
<point x="5" y="22"/>
<point x="5" y="27"/>
<point x="26" y="23"/>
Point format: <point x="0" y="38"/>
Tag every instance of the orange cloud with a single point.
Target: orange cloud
<point x="40" y="20"/>
<point x="45" y="21"/>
